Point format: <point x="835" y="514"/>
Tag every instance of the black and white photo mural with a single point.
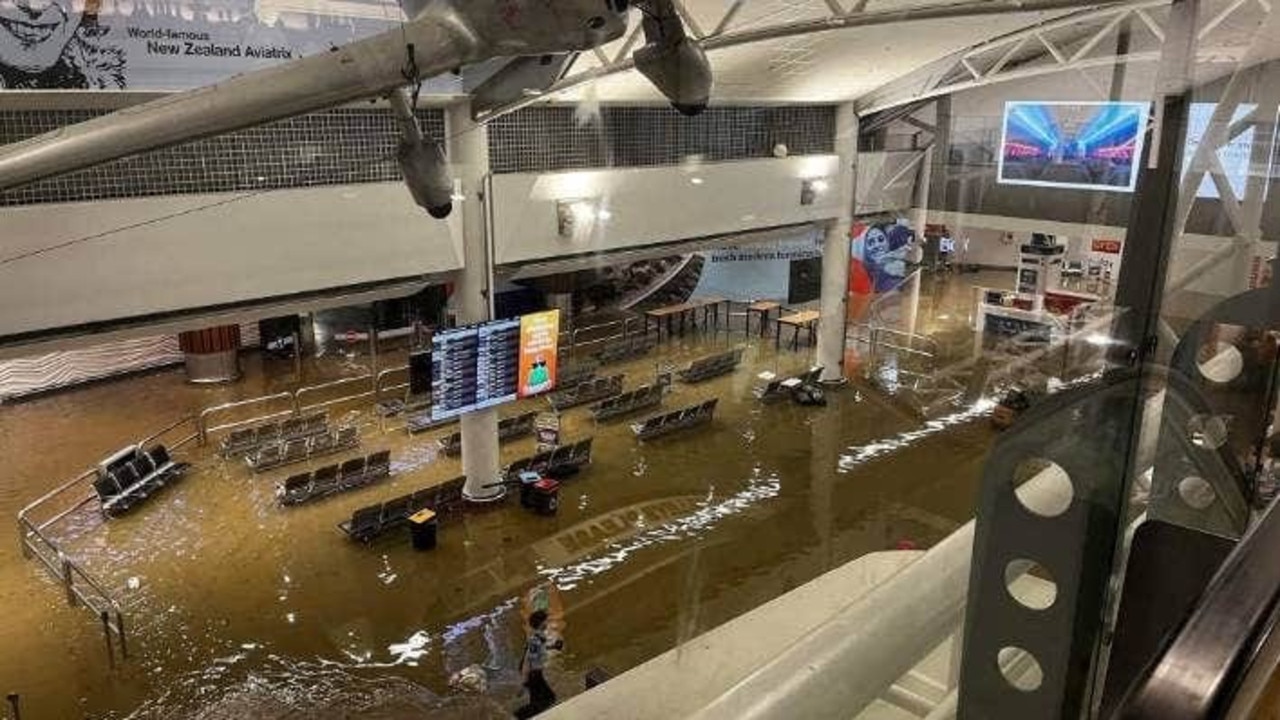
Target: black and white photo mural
<point x="169" y="45"/>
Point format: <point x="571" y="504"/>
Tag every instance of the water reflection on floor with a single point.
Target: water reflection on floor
<point x="242" y="609"/>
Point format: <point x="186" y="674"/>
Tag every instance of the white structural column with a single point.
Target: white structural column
<point x="835" y="250"/>
<point x="919" y="220"/>
<point x="469" y="156"/>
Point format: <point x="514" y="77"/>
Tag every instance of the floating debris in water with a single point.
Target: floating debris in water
<point x="410" y="651"/>
<point x="878" y="448"/>
<point x="387" y="575"/>
<point x="689" y="526"/>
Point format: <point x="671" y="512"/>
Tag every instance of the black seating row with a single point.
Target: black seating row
<point x="299" y="449"/>
<point x="780" y="388"/>
<point x="369" y="522"/>
<point x="242" y="442"/>
<point x="645" y="396"/>
<point x="711" y="366"/>
<point x="421" y="422"/>
<point x="674" y="421"/>
<point x="562" y="461"/>
<point x="508" y="429"/>
<point x="131" y="476"/>
<point x="627" y="349"/>
<point x="332" y="479"/>
<point x="587" y="392"/>
<point x="576" y="374"/>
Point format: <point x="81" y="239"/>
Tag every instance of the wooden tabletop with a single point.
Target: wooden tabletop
<point x="684" y="306"/>
<point x="669" y="310"/>
<point x="764" y="305"/>
<point x="801" y="318"/>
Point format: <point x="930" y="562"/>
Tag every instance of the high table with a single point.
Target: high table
<point x="710" y="306"/>
<point x="805" y="319"/>
<point x="761" y="308"/>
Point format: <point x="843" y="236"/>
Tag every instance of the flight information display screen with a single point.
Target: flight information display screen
<point x="474" y="367"/>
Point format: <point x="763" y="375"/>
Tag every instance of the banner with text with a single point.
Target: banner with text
<point x="169" y="45"/>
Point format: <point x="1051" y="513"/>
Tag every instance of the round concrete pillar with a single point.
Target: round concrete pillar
<point x="212" y="355"/>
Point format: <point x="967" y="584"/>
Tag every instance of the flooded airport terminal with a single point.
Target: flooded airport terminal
<point x="639" y="359"/>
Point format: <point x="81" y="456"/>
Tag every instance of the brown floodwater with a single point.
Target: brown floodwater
<point x="238" y="608"/>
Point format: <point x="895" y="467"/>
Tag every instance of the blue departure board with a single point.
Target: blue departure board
<point x="474" y="367"/>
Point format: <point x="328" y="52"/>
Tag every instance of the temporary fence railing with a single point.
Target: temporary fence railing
<point x="202" y="420"/>
<point x="301" y="408"/>
<point x="624" y="331"/>
<point x="80" y="586"/>
<point x="380" y="386"/>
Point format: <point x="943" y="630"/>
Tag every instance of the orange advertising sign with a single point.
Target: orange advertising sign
<point x="539" y="342"/>
<point x="1106" y="245"/>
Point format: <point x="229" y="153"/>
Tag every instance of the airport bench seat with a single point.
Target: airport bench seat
<point x="712" y="366"/>
<point x="510" y="428"/>
<point x="675" y="420"/>
<point x="575" y="375"/>
<point x="132" y="476"/>
<point x="642" y="397"/>
<point x="587" y="392"/>
<point x="299" y="449"/>
<point x="370" y="522"/>
<point x="245" y="441"/>
<point x="564" y="460"/>
<point x="626" y="350"/>
<point x="331" y="479"/>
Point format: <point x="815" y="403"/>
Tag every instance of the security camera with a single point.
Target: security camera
<point x="675" y="65"/>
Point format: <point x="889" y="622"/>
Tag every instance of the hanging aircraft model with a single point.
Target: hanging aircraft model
<point x="439" y="36"/>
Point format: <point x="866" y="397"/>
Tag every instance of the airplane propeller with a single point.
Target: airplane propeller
<point x="443" y="35"/>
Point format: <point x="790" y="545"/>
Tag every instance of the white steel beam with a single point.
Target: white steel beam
<point x="854" y="17"/>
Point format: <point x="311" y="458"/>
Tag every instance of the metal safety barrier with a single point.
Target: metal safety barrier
<point x="301" y="408"/>
<point x="624" y="331"/>
<point x="202" y="420"/>
<point x="380" y="386"/>
<point x="80" y="586"/>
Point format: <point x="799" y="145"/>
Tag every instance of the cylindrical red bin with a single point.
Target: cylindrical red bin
<point x="545" y="497"/>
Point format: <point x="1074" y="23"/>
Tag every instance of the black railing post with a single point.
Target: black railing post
<point x="106" y="634"/>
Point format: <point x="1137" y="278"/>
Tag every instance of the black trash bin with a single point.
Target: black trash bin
<point x="545" y="497"/>
<point x="422" y="527"/>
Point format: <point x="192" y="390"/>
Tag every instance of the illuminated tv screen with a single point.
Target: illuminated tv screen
<point x="1081" y="145"/>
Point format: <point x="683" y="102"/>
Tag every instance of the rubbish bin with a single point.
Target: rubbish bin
<point x="527" y="481"/>
<point x="545" y="497"/>
<point x="422" y="527"/>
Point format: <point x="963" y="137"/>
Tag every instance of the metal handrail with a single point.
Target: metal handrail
<point x="301" y="409"/>
<point x="63" y="568"/>
<point x="171" y="427"/>
<point x="378" y="387"/>
<point x="202" y="420"/>
<point x="625" y="333"/>
<point x="1222" y="643"/>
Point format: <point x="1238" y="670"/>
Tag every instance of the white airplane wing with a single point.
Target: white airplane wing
<point x="446" y="35"/>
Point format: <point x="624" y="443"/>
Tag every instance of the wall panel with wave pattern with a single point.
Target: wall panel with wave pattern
<point x="39" y="373"/>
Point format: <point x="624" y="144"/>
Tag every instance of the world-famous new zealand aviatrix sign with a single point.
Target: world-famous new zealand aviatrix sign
<point x="170" y="44"/>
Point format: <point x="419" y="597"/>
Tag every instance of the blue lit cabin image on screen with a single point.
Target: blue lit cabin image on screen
<point x="1088" y="146"/>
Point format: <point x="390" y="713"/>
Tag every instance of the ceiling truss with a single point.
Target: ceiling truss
<point x="1078" y="41"/>
<point x="736" y="27"/>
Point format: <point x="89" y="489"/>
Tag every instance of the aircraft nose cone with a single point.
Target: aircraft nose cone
<point x="689" y="110"/>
